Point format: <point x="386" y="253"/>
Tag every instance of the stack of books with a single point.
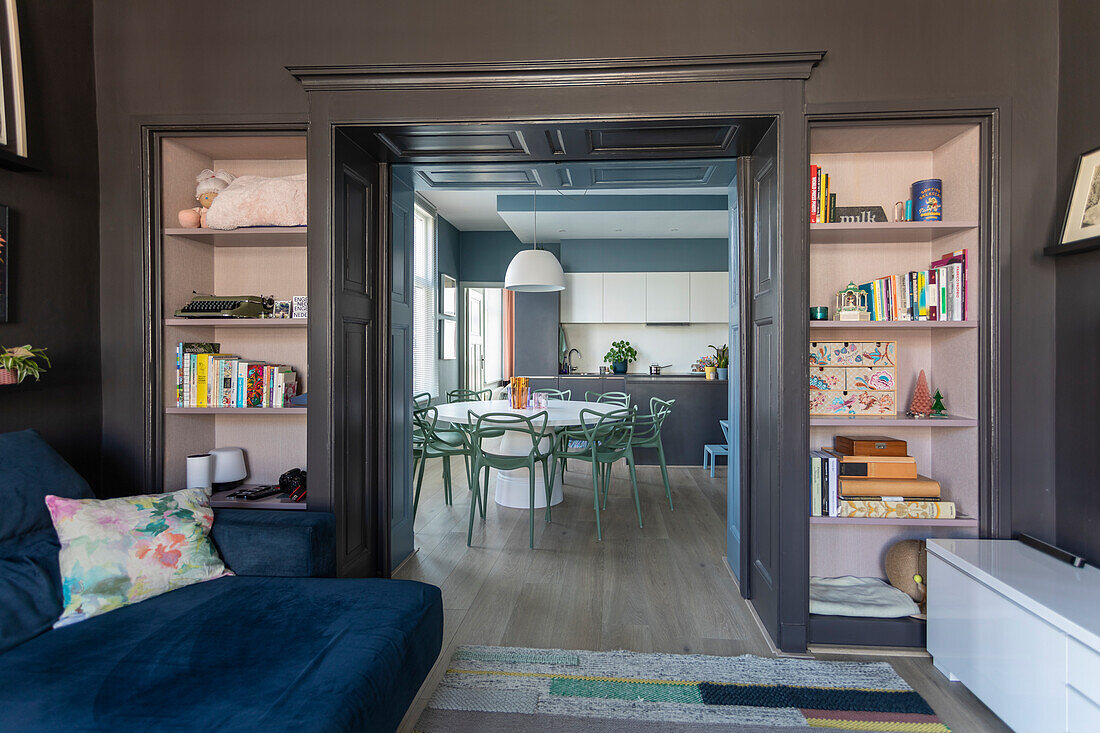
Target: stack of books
<point x="822" y="198"/>
<point x="935" y="294"/>
<point x="207" y="378"/>
<point x="872" y="476"/>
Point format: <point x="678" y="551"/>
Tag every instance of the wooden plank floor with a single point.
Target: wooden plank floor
<point x="660" y="588"/>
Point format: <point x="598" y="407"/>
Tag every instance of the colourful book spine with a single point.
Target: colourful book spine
<point x="242" y="377"/>
<point x="255" y="386"/>
<point x="832" y="208"/>
<point x="820" y="208"/>
<point x="225" y="382"/>
<point x="825" y="196"/>
<point x="179" y="374"/>
<point x="933" y="295"/>
<point x="202" y="364"/>
<point x="813" y="195"/>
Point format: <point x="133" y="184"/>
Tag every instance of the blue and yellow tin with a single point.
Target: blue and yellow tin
<point x="927" y="196"/>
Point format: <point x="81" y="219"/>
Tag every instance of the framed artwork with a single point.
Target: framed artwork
<point x="448" y="300"/>
<point x="448" y="339"/>
<point x="5" y="262"/>
<point x="13" y="116"/>
<point x="1083" y="212"/>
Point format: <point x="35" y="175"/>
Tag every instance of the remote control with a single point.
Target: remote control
<point x="262" y="492"/>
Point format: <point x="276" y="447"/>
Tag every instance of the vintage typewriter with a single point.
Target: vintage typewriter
<point x="221" y="306"/>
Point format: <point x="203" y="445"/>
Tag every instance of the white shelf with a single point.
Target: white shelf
<point x="886" y="232"/>
<point x="267" y="411"/>
<point x="237" y="322"/>
<point x="848" y="421"/>
<point x="244" y="237"/>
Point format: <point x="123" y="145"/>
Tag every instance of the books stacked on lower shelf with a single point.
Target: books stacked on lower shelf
<point x="935" y="294"/>
<point x="872" y="477"/>
<point x="207" y="378"/>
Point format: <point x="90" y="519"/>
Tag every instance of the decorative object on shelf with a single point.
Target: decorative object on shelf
<point x="299" y="306"/>
<point x="899" y="211"/>
<point x="448" y="302"/>
<point x="448" y="339"/>
<point x="259" y="201"/>
<point x="921" y="404"/>
<point x="859" y="214"/>
<point x="534" y="270"/>
<point x="293" y="482"/>
<point x="907" y="567"/>
<point x="280" y="309"/>
<point x="853" y="378"/>
<point x="1082" y="220"/>
<point x="13" y="141"/>
<point x="5" y="262"/>
<point x="938" y="410"/>
<point x="722" y="360"/>
<point x="851" y="304"/>
<point x="19" y="362"/>
<point x="229" y="468"/>
<point x="200" y="471"/>
<point x="819" y="313"/>
<point x="208" y="185"/>
<point x="927" y="196"/>
<point x="226" y="306"/>
<point x="620" y="355"/>
<point x="909" y="209"/>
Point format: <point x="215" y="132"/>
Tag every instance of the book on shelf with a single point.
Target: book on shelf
<point x="814" y="201"/>
<point x="920" y="487"/>
<point x="878" y="467"/>
<point x="205" y="377"/>
<point x="935" y="294"/>
<point x="822" y="197"/>
<point x="897" y="508"/>
<point x="824" y="475"/>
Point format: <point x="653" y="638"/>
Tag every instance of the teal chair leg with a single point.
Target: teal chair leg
<point x="606" y="471"/>
<point x="547" y="474"/>
<point x="473" y="504"/>
<point x="664" y="473"/>
<point x="634" y="481"/>
<point x="596" y="499"/>
<point x="419" y="482"/>
<point x="447" y="480"/>
<point x="531" y="480"/>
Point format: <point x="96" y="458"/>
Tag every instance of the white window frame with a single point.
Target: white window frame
<point x="425" y="320"/>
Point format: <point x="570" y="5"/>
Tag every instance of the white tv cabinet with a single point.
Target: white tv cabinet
<point x="1020" y="628"/>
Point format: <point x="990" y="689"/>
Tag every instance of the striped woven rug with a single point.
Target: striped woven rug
<point x="488" y="689"/>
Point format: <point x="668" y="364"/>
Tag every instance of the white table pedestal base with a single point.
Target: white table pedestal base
<point x="513" y="488"/>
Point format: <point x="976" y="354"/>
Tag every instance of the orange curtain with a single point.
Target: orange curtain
<point x="509" y="327"/>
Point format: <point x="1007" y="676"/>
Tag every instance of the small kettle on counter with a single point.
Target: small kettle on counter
<point x="655" y="369"/>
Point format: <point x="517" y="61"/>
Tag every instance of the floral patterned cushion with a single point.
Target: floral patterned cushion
<point x="116" y="552"/>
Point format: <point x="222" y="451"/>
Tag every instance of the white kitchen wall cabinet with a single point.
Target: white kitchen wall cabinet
<point x="710" y="297"/>
<point x="668" y="297"/>
<point x="582" y="299"/>
<point x="624" y="297"/>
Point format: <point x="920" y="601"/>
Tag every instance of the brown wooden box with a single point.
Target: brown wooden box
<point x="869" y="445"/>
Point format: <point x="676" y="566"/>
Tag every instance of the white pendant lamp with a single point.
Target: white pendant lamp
<point x="535" y="270"/>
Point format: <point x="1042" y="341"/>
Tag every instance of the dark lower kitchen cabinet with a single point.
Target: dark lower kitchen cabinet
<point x="700" y="404"/>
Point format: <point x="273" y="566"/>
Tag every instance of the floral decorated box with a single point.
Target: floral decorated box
<point x="853" y="378"/>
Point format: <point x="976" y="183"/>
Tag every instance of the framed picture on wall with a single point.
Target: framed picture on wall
<point x="448" y="339"/>
<point x="5" y="262"/>
<point x="1083" y="212"/>
<point x="448" y="298"/>
<point x="13" y="116"/>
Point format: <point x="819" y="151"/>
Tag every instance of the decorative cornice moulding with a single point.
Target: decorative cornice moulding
<point x="796" y="65"/>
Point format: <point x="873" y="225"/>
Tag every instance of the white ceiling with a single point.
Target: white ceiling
<point x="477" y="211"/>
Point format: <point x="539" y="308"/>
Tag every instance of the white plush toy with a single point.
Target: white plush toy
<point x="258" y="201"/>
<point x="208" y="185"/>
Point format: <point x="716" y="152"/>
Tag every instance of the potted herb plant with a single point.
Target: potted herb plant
<point x="19" y="362"/>
<point x="620" y="355"/>
<point x="722" y="360"/>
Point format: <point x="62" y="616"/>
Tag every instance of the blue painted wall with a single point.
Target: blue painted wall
<point x="645" y="255"/>
<point x="448" y="262"/>
<point x="484" y="256"/>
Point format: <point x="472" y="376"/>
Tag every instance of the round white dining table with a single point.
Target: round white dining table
<point x="513" y="487"/>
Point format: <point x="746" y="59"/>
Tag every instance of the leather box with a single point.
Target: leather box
<point x="869" y="445"/>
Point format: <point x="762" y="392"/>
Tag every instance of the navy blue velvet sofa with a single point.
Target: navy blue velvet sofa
<point x="277" y="647"/>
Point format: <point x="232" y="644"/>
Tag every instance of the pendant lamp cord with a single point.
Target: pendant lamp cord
<point x="535" y="207"/>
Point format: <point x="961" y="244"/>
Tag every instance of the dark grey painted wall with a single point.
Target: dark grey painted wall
<point x="447" y="260"/>
<point x="149" y="63"/>
<point x="55" y="244"/>
<point x="485" y="255"/>
<point x="645" y="255"/>
<point x="536" y="346"/>
<point x="1078" y="302"/>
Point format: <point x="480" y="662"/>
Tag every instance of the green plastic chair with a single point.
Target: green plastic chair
<point x="607" y="438"/>
<point x="555" y="394"/>
<point x="647" y="434"/>
<point x="494" y="425"/>
<point x="469" y="395"/>
<point x="429" y="442"/>
<point x="422" y="400"/>
<point x="612" y="398"/>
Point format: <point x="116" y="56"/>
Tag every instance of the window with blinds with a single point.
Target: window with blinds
<point x="425" y="366"/>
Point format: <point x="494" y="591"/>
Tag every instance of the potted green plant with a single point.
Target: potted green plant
<point x="722" y="360"/>
<point x="620" y="355"/>
<point x="19" y="362"/>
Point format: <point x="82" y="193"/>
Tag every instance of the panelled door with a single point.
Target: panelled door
<point x="402" y="233"/>
<point x="761" y="201"/>
<point x="735" y="532"/>
<point x="355" y="390"/>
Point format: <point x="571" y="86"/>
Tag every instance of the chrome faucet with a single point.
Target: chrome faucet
<point x="569" y="361"/>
